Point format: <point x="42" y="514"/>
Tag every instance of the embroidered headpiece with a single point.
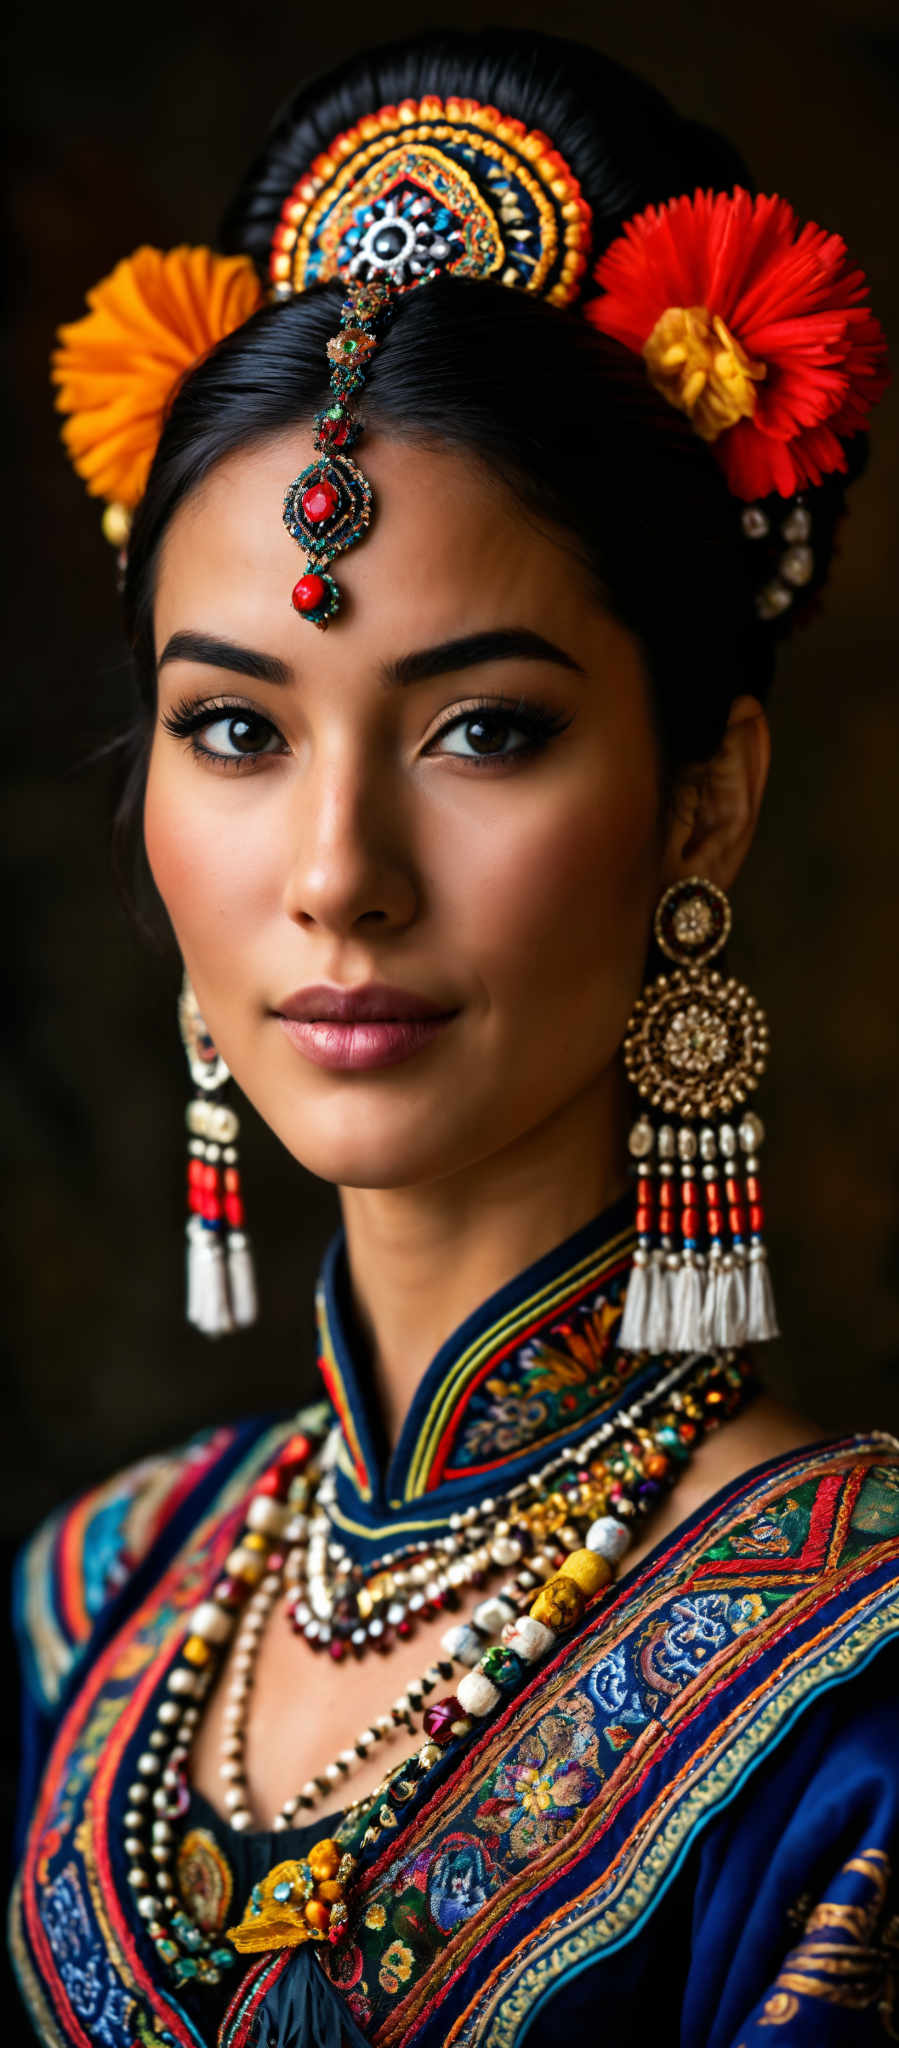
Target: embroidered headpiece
<point x="756" y="328"/>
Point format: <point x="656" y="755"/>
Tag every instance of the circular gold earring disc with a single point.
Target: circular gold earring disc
<point x="693" y="921"/>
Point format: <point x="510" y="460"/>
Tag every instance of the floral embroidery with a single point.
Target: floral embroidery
<point x="376" y="1916"/>
<point x="543" y="1783"/>
<point x="204" y="1879"/>
<point x="396" y="1966"/>
<point x="84" y="1967"/>
<point x="552" y="1382"/>
<point x="457" y="1884"/>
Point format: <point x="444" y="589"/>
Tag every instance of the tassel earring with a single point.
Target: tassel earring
<point x="221" y="1282"/>
<point x="695" y="1049"/>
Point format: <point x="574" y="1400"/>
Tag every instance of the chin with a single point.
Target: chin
<point x="374" y="1151"/>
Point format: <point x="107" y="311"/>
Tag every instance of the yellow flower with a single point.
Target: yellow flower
<point x="115" y="370"/>
<point x="396" y="1966"/>
<point x="375" y="1916"/>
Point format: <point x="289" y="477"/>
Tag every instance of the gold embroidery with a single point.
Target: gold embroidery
<point x="847" y="1955"/>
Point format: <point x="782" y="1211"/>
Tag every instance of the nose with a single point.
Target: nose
<point x="352" y="860"/>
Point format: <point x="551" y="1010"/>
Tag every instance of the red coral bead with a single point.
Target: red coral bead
<point x="319" y="501"/>
<point x="297" y="1450"/>
<point x="756" y="1217"/>
<point x="309" y="593"/>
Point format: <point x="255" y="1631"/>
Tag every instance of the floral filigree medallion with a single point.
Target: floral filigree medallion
<point x="697" y="1044"/>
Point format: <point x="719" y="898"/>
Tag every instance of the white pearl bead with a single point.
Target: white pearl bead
<point x="270" y="1517"/>
<point x="491" y="1615"/>
<point x="476" y="1694"/>
<point x="505" y="1550"/>
<point x="463" y="1643"/>
<point x="608" y="1537"/>
<point x="528" y="1638"/>
<point x="211" y="1622"/>
<point x="181" y="1680"/>
<point x="233" y="1799"/>
<point x="241" y="1818"/>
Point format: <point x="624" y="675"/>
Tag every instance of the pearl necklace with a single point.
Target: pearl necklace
<point x="682" y="1404"/>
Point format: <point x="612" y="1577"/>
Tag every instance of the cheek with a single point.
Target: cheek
<point x="212" y="870"/>
<point x="569" y="891"/>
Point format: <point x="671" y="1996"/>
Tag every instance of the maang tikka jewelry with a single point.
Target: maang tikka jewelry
<point x="329" y="505"/>
<point x="695" y="1049"/>
<point x="221" y="1282"/>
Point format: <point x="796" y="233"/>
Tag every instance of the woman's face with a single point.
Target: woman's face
<point x="420" y="796"/>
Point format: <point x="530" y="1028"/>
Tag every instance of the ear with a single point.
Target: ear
<point x="717" y="803"/>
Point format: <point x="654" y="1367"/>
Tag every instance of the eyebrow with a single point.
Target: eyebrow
<point x="514" y="643"/>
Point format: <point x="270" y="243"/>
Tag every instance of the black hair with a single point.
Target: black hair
<point x="565" y="417"/>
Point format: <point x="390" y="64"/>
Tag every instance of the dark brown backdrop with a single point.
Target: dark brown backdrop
<point x="132" y="127"/>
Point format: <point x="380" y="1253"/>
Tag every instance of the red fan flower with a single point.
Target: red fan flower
<point x="756" y="327"/>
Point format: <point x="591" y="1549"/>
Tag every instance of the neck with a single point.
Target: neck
<point x="422" y="1258"/>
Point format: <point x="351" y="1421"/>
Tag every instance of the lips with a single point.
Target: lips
<point x="374" y="1002"/>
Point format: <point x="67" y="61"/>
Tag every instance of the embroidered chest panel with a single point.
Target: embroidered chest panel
<point x="546" y="1843"/>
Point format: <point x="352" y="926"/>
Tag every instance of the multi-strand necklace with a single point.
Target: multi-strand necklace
<point x="561" y="1535"/>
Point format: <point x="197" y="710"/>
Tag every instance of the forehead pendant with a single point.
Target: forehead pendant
<point x="329" y="505"/>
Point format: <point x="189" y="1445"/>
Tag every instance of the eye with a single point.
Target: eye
<point x="241" y="734"/>
<point x="484" y="727"/>
<point x="232" y="735"/>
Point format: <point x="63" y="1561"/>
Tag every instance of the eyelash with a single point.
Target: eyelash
<point x="539" y="721"/>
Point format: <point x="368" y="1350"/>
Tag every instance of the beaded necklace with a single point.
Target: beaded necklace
<point x="574" y="1522"/>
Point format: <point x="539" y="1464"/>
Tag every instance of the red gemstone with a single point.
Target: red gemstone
<point x="337" y="1650"/>
<point x="404" y="1628"/>
<point x="229" y="1591"/>
<point x="273" y="1482"/>
<point x="309" y="593"/>
<point x="437" y="1720"/>
<point x="319" y="501"/>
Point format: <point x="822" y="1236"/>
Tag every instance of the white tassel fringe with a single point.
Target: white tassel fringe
<point x="241" y="1280"/>
<point x="208" y="1308"/>
<point x="632" y="1332"/>
<point x="761" y="1316"/>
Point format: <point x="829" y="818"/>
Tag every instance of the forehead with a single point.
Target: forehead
<point x="449" y="549"/>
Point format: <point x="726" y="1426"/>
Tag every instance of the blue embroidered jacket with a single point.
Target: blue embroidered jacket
<point x="682" y="1831"/>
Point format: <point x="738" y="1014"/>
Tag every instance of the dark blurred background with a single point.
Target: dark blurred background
<point x="133" y="127"/>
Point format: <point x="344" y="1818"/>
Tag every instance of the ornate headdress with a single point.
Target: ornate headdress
<point x="757" y="328"/>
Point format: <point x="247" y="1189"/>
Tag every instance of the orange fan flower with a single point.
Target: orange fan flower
<point x="156" y="314"/>
<point x="758" y="329"/>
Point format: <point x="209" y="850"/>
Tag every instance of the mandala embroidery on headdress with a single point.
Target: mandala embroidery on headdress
<point x="432" y="184"/>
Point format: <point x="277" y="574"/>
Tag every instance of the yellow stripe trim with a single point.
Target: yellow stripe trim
<point x="592" y="1267"/>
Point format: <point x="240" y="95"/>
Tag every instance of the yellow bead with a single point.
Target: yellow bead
<point x="587" y="1570"/>
<point x="324" y="1859"/>
<point x="116" y="525"/>
<point x="196" y="1651"/>
<point x="558" y="1604"/>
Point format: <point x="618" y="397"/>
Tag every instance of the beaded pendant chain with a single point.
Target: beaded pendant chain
<point x="577" y="1535"/>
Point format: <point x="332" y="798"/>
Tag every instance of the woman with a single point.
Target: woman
<point x="627" y="1756"/>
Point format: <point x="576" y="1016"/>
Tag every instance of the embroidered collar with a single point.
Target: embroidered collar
<point x="534" y="1367"/>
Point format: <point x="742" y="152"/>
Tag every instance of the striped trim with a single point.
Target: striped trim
<point x="334" y="1382"/>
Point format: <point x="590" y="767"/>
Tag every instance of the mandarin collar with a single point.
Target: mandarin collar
<point x="531" y="1370"/>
